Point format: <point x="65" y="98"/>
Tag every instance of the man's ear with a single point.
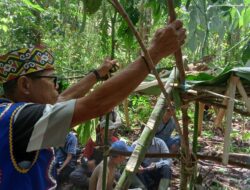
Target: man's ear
<point x="23" y="85"/>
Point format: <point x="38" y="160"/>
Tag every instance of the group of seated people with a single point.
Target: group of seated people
<point x="154" y="173"/>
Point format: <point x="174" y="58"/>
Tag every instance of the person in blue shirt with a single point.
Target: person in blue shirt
<point x="165" y="130"/>
<point x="155" y="172"/>
<point x="65" y="159"/>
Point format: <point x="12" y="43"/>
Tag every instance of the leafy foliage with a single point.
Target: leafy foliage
<point x="79" y="34"/>
<point x="246" y="53"/>
<point x="91" y="6"/>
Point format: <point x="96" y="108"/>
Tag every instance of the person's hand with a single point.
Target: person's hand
<point x="107" y="67"/>
<point x="58" y="171"/>
<point x="167" y="40"/>
<point x="151" y="166"/>
<point x="91" y="165"/>
<point x="141" y="169"/>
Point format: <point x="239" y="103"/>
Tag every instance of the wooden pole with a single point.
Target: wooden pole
<point x="243" y="94"/>
<point x="126" y="112"/>
<point x="229" y="114"/>
<point x="221" y="112"/>
<point x="200" y="117"/>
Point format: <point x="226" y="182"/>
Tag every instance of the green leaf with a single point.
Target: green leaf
<point x="187" y="4"/>
<point x="176" y="98"/>
<point x="86" y="131"/>
<point x="246" y="17"/>
<point x="246" y="136"/>
<point x="92" y="6"/>
<point x="4" y="28"/>
<point x="199" y="77"/>
<point x="34" y="6"/>
<point x="246" y="53"/>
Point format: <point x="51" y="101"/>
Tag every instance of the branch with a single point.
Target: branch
<point x="218" y="159"/>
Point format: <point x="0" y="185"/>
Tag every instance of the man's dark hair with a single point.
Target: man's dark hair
<point x="9" y="87"/>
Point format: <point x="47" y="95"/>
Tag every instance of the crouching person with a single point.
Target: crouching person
<point x="80" y="176"/>
<point x="156" y="172"/>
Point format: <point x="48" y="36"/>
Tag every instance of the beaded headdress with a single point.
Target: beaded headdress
<point x="24" y="61"/>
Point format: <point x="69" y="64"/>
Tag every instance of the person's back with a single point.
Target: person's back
<point x="69" y="147"/>
<point x="66" y="159"/>
<point x="96" y="182"/>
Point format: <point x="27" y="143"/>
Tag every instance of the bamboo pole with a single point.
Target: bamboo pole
<point x="126" y="112"/>
<point x="229" y="114"/>
<point x="146" y="137"/>
<point x="186" y="162"/>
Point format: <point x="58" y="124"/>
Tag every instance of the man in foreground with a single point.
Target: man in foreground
<point x="33" y="117"/>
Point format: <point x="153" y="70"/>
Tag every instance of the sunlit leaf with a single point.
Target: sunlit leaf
<point x="34" y="6"/>
<point x="4" y="28"/>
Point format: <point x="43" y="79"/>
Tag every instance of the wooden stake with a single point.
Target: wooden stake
<point x="126" y="112"/>
<point x="243" y="94"/>
<point x="200" y="117"/>
<point x="221" y="112"/>
<point x="229" y="115"/>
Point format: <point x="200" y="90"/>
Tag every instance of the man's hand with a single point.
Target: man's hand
<point x="151" y="166"/>
<point x="167" y="40"/>
<point x="59" y="170"/>
<point x="141" y="169"/>
<point x="107" y="66"/>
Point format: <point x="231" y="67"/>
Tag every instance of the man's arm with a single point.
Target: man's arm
<point x="166" y="41"/>
<point x="163" y="149"/>
<point x="80" y="89"/>
<point x="65" y="163"/>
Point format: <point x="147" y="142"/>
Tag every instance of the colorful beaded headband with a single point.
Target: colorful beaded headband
<point x="24" y="61"/>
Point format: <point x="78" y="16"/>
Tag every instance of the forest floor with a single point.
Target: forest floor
<point x="216" y="176"/>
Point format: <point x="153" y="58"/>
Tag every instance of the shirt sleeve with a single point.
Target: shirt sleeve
<point x="23" y="126"/>
<point x="163" y="149"/>
<point x="118" y="121"/>
<point x="71" y="144"/>
<point x="51" y="129"/>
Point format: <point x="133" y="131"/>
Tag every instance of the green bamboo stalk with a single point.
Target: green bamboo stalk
<point x="146" y="137"/>
<point x="195" y="135"/>
<point x="195" y="143"/>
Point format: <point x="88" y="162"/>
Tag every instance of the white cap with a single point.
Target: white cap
<point x="111" y="124"/>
